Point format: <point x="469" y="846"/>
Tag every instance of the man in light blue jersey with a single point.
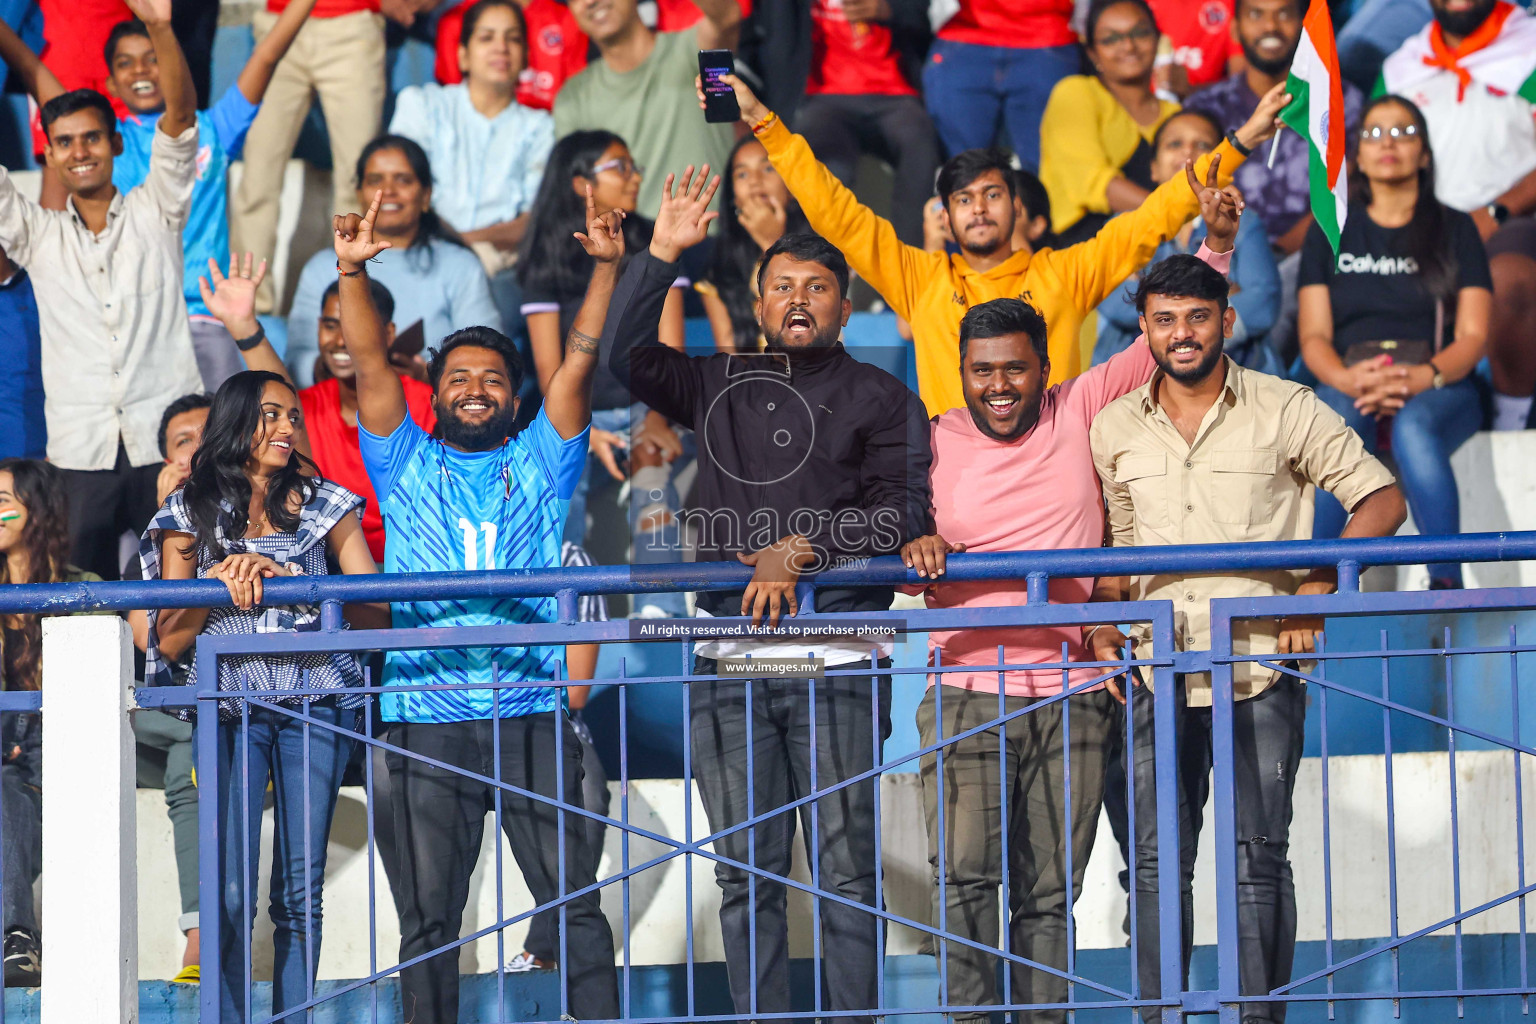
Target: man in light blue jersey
<point x="471" y="497"/>
<point x="133" y="76"/>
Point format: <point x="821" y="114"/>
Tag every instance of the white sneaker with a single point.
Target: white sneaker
<point x="526" y="963"/>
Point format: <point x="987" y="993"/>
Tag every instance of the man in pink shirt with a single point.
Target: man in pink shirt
<point x="1013" y="471"/>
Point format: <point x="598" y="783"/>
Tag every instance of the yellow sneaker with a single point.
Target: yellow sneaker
<point x="188" y="976"/>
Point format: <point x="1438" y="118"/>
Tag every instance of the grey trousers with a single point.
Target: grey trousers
<point x="1028" y="791"/>
<point x="21" y="807"/>
<point x="1267" y="732"/>
<point x="165" y="761"/>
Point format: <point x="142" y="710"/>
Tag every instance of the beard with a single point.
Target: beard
<point x="474" y="437"/>
<point x="1201" y="370"/>
<point x="1463" y="23"/>
<point x="1027" y="419"/>
<point x="1272" y="68"/>
<point x="825" y="337"/>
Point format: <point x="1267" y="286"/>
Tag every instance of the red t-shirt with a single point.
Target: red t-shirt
<point x="1019" y="24"/>
<point x="336" y="449"/>
<point x="328" y="8"/>
<point x="556" y="50"/>
<point x="852" y="59"/>
<point x="74" y="35"/>
<point x="1201" y="34"/>
<point x="676" y="15"/>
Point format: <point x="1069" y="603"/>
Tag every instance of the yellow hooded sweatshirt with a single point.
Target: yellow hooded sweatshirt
<point x="933" y="290"/>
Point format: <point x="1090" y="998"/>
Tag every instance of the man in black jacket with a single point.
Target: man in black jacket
<point x="807" y="458"/>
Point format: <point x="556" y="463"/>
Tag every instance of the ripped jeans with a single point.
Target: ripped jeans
<point x="1267" y="732"/>
<point x="652" y="496"/>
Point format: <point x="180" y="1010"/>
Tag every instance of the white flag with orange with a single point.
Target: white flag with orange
<point x="1316" y="113"/>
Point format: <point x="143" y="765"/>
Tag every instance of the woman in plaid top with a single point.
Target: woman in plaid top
<point x="254" y="507"/>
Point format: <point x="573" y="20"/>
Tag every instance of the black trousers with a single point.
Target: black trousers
<point x="896" y="129"/>
<point x="439" y="818"/>
<point x="1267" y="736"/>
<point x="102" y="504"/>
<point x="543" y="939"/>
<point x="776" y="725"/>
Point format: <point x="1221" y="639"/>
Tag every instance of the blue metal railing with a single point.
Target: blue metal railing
<point x="1037" y="568"/>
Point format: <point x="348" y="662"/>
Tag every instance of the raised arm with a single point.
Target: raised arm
<point x="661" y="377"/>
<point x="257" y="73"/>
<point x="380" y="397"/>
<point x="720" y="28"/>
<point x="894" y="269"/>
<point x="568" y="396"/>
<point x="175" y="77"/>
<point x="35" y="77"/>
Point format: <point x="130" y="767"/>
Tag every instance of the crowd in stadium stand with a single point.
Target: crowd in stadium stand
<point x="1083" y="219"/>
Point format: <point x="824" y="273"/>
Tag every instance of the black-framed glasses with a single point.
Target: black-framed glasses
<point x="1140" y="34"/>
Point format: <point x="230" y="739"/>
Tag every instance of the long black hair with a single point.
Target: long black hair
<point x="218" y="492"/>
<point x="549" y="262"/>
<point x="1427" y="239"/>
<point x="40" y="489"/>
<point x="733" y="264"/>
<point x="430" y="226"/>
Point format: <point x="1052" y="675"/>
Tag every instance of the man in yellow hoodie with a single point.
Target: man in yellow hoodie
<point x="933" y="290"/>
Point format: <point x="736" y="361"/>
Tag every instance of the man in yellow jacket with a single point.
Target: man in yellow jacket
<point x="933" y="290"/>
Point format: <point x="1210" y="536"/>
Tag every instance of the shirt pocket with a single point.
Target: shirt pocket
<point x="1243" y="485"/>
<point x="1145" y="476"/>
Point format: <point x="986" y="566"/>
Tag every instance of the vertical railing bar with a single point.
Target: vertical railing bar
<point x="562" y="847"/>
<point x="311" y="962"/>
<point x="1322" y="700"/>
<point x="210" y="863"/>
<point x="1224" y="797"/>
<point x="1066" y="817"/>
<point x="1127" y="755"/>
<point x="247" y="910"/>
<point x="1514" y="700"/>
<point x="1386" y="718"/>
<point x="878" y="749"/>
<point x="1003" y="799"/>
<point x="938" y="718"/>
<point x="751" y="842"/>
<point x="815" y="858"/>
<point x="624" y="817"/>
<point x="496" y="814"/>
<point x="1450" y="716"/>
<point x="688" y="817"/>
<point x="373" y="892"/>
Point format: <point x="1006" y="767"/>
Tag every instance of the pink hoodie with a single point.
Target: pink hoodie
<point x="1038" y="492"/>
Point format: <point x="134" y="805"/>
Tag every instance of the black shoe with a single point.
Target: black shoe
<point x="23" y="960"/>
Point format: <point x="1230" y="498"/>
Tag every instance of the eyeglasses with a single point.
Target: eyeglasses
<point x="623" y="165"/>
<point x="1135" y="35"/>
<point x="1398" y="131"/>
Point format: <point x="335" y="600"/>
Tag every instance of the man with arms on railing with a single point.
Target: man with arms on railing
<point x="475" y="498"/>
<point x="1210" y="452"/>
<point x="1012" y="472"/>
<point x="807" y="457"/>
<point x="932" y="290"/>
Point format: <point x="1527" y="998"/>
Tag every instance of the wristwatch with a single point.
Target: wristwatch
<point x="295" y="569"/>
<point x="1438" y="380"/>
<point x="1499" y="212"/>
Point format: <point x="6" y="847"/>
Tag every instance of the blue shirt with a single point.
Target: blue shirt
<point x="23" y="431"/>
<point x="1257" y="300"/>
<point x="441" y="284"/>
<point x="486" y="170"/>
<point x="447" y="511"/>
<point x="221" y="133"/>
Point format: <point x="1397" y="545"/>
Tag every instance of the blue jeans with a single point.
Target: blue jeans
<point x="1424" y="435"/>
<point x="649" y="547"/>
<point x="304" y="800"/>
<point x="972" y="90"/>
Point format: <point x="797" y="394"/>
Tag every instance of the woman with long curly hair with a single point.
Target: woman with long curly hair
<point x="255" y="507"/>
<point x="34" y="548"/>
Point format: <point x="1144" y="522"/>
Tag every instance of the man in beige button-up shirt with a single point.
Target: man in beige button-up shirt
<point x="107" y="273"/>
<point x="1209" y="452"/>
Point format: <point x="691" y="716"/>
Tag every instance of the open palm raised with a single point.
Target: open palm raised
<point x="684" y="218"/>
<point x="355" y="243"/>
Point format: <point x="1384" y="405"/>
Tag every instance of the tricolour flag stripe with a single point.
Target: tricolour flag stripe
<point x="1316" y="113"/>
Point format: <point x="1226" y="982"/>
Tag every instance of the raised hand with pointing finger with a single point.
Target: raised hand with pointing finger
<point x="355" y="244"/>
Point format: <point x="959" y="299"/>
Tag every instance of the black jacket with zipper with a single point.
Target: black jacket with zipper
<point x="810" y="442"/>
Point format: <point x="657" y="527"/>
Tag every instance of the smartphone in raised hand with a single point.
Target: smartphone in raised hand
<point x="720" y="106"/>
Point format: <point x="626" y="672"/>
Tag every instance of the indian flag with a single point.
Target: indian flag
<point x="1316" y="113"/>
